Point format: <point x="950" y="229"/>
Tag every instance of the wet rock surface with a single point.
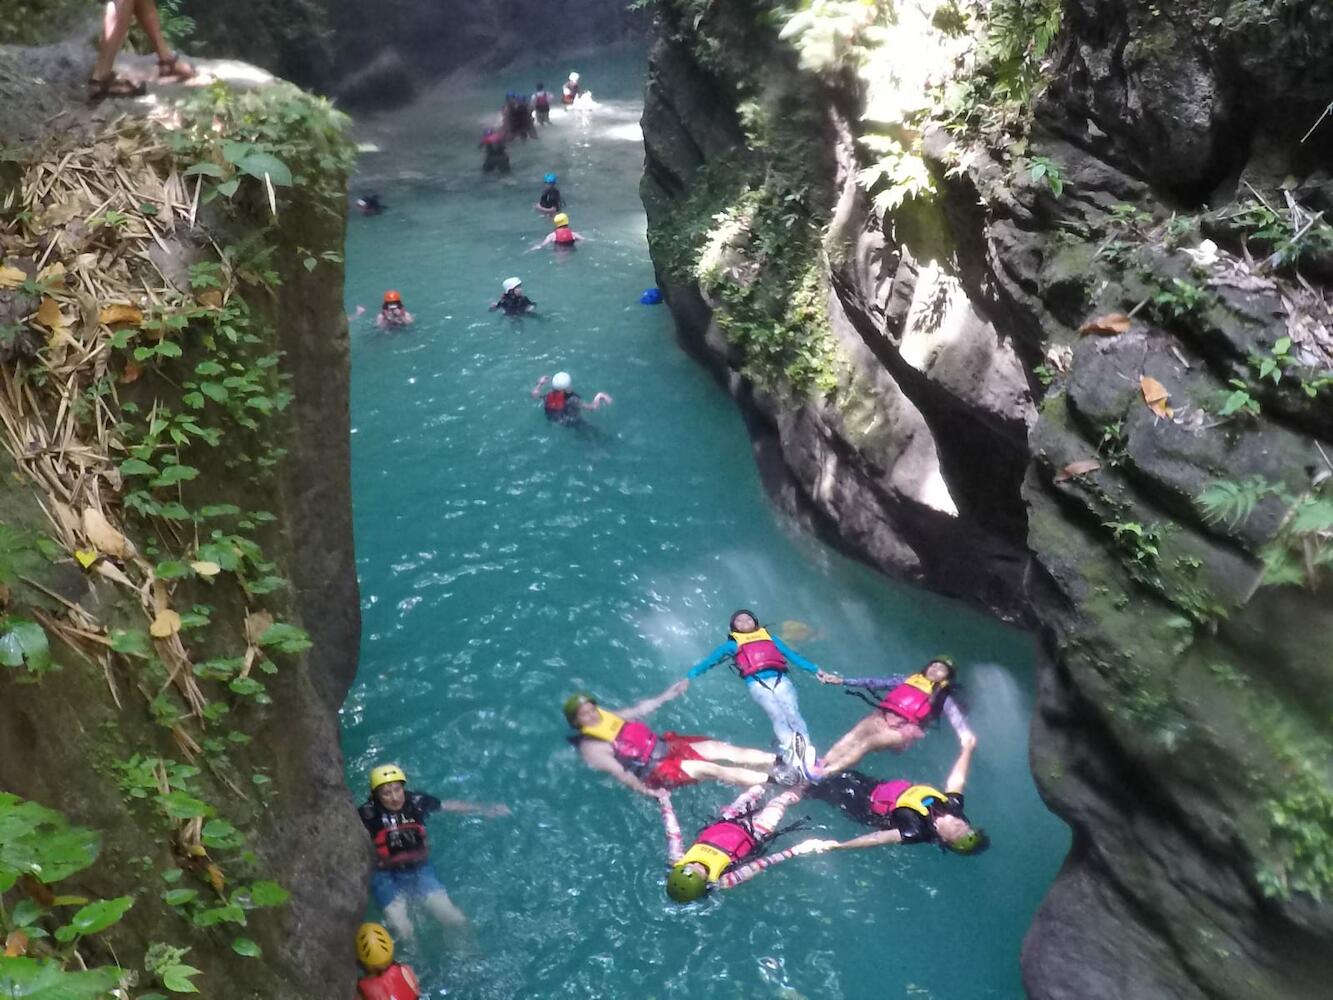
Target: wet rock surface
<point x="1182" y="728"/>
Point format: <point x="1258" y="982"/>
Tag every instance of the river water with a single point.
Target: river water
<point x="505" y="562"/>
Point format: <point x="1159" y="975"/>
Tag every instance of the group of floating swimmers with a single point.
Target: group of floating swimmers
<point x="734" y="845"/>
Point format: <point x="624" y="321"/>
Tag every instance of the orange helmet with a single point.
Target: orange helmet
<point x="393" y="297"/>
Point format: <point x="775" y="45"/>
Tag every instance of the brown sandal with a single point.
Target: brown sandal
<point x="173" y="67"/>
<point x="114" y="86"/>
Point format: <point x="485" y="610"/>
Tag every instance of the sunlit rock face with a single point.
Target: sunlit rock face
<point x="1087" y="384"/>
<point x="380" y="54"/>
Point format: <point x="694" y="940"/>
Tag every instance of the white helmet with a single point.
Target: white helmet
<point x="561" y="381"/>
<point x="573" y="77"/>
<point x="511" y="283"/>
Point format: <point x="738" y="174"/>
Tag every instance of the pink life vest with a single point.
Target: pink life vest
<point x="634" y="743"/>
<point x="913" y="699"/>
<point x="564" y="236"/>
<point x="756" y="652"/>
<point x="729" y="837"/>
<point x="884" y="797"/>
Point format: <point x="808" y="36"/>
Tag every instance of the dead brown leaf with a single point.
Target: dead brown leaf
<point x="104" y="537"/>
<point x="1079" y="468"/>
<point x="166" y="624"/>
<point x="211" y="297"/>
<point x="205" y="567"/>
<point x="48" y="314"/>
<point x="11" y="277"/>
<point x="120" y="314"/>
<point x="256" y="624"/>
<point x="1108" y="325"/>
<point x="1156" y="396"/>
<point x="16" y="944"/>
<point x="130" y="373"/>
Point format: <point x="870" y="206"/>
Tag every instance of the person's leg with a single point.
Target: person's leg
<point x="169" y="63"/>
<point x="764" y="693"/>
<point x="395" y="915"/>
<point x="744" y="802"/>
<point x="385" y="887"/>
<point x="716" y="750"/>
<point x="116" y="25"/>
<point x="705" y="769"/>
<point x="872" y="733"/>
<point x="802" y="753"/>
<point x="444" y="910"/>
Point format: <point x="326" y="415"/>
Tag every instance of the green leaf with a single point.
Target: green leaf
<point x="177" y="978"/>
<point x="169" y="349"/>
<point x="205" y="168"/>
<point x="99" y="916"/>
<point x="268" y="894"/>
<point x="132" y="642"/>
<point x="179" y="897"/>
<point x="244" y="946"/>
<point x="174" y="474"/>
<point x="310" y="263"/>
<point x="172" y="569"/>
<point x="229" y="914"/>
<point x="24" y="913"/>
<point x="221" y="834"/>
<point x="136" y="467"/>
<point x="227" y="189"/>
<point x="182" y="805"/>
<point x="208" y="368"/>
<point x="258" y="164"/>
<point x="30" y="979"/>
<point x="285" y="637"/>
<point x="11" y="650"/>
<point x="246" y="686"/>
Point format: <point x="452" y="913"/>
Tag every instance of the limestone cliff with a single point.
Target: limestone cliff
<point x="178" y="608"/>
<point x="1055" y="338"/>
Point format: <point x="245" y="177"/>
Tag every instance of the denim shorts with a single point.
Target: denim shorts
<point x="420" y="880"/>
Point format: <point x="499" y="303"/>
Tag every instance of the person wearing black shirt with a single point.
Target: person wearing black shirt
<point x="395" y="818"/>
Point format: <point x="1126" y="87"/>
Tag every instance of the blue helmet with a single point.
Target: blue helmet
<point x="549" y="178"/>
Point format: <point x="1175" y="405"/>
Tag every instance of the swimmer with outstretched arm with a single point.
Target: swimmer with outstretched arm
<point x="731" y="850"/>
<point x="910" y="703"/>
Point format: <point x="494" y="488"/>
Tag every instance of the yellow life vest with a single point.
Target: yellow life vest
<point x="710" y="857"/>
<point x="923" y="683"/>
<point x="607" y="728"/>
<point x="913" y="798"/>
<point x="743" y="637"/>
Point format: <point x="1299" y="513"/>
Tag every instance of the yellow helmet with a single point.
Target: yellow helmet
<point x="374" y="947"/>
<point x="384" y="774"/>
<point x="561" y="219"/>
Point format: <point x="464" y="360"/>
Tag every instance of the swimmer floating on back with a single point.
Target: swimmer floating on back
<point x="762" y="661"/>
<point x="562" y="404"/>
<point x="621" y="745"/>
<point x="906" y="813"/>
<point x="900" y="716"/>
<point x="562" y="237"/>
<point x="726" y="853"/>
<point x="513" y="301"/>
<point x="392" y="314"/>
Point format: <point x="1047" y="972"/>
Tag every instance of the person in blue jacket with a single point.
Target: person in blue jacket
<point x="763" y="660"/>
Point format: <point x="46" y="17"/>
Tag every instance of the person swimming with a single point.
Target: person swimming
<point x="730" y="851"/>
<point x="562" y="405"/>
<point x="369" y="204"/>
<point x="513" y="301"/>
<point x="762" y="661"/>
<point x="392" y="314"/>
<point x="562" y="236"/>
<point x="497" y="158"/>
<point x="541" y="104"/>
<point x="550" y="201"/>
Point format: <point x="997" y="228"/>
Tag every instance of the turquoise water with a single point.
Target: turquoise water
<point x="505" y="562"/>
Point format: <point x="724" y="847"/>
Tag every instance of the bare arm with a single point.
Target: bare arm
<point x="675" y="842"/>
<point x="745" y="872"/>
<point x="598" y="756"/>
<point x="650" y="705"/>
<point x="958" y="720"/>
<point x="875" y="839"/>
<point x="537" y="389"/>
<point x="958" y="776"/>
<point x="599" y="399"/>
<point x="459" y="806"/>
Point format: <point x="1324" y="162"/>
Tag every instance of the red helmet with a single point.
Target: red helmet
<point x="393" y="297"/>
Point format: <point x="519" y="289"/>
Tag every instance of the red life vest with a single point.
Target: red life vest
<point x="404" y="844"/>
<point x="494" y="139"/>
<point x="564" y="236"/>
<point x="884" y="796"/>
<point x="756" y="651"/>
<point x="397" y="982"/>
<point x="913" y="699"/>
<point x="554" y="402"/>
<point x="634" y="743"/>
<point x="568" y="94"/>
<point x="542" y="101"/>
<point x="729" y="837"/>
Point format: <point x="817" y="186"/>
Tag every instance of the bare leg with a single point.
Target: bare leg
<point x="395" y="914"/>
<point x="116" y="26"/>
<point x="146" y="10"/>
<point x="717" y="750"/>
<point x="744" y="802"/>
<point x="706" y="769"/>
<point x="872" y="733"/>
<point x="439" y="903"/>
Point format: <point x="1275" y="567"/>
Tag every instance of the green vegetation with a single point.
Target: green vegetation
<point x="175" y="408"/>
<point x="1301" y="549"/>
<point x="33" y="22"/>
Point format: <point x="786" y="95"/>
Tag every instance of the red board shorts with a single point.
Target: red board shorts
<point x="668" y="772"/>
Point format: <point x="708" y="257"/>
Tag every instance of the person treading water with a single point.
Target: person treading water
<point x="562" y="405"/>
<point x="513" y="302"/>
